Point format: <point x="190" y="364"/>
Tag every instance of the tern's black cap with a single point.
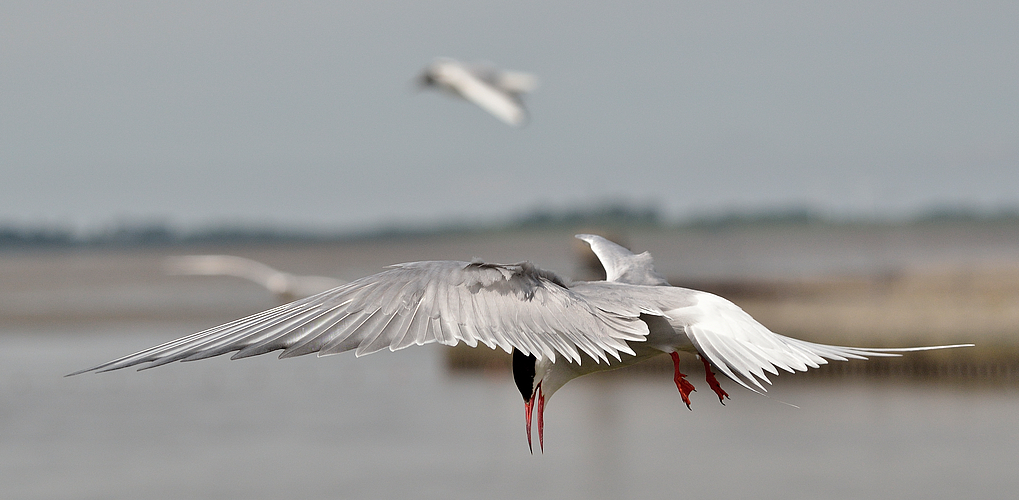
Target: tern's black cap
<point x="523" y="373"/>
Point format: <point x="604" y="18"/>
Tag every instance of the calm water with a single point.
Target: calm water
<point x="397" y="425"/>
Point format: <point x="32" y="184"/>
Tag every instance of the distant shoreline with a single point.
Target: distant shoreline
<point x="608" y="218"/>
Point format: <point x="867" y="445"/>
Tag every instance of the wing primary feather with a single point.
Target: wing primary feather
<point x="705" y="349"/>
<point x="735" y="360"/>
<point x="239" y="339"/>
<point x="342" y="329"/>
<point x="287" y="339"/>
<point x="141" y="356"/>
<point x="354" y="337"/>
<point x="408" y="336"/>
<point x="392" y="326"/>
<point x="170" y="351"/>
<point x="440" y="335"/>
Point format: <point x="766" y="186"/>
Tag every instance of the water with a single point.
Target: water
<point x="399" y="425"/>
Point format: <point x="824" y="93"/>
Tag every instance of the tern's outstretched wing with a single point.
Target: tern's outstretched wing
<point x="621" y="265"/>
<point x="744" y="349"/>
<point x="509" y="306"/>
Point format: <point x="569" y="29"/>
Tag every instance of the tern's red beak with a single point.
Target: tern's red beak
<point x="528" y="406"/>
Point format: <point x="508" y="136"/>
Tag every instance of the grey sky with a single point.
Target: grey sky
<point x="304" y="114"/>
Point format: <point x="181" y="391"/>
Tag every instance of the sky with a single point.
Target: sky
<point x="304" y="115"/>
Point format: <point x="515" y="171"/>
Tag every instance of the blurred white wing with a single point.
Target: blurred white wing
<point x="503" y="106"/>
<point x="509" y="306"/>
<point x="284" y="285"/>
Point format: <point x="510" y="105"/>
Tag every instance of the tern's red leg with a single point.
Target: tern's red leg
<point x="713" y="382"/>
<point x="685" y="387"/>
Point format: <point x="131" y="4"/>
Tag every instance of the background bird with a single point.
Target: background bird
<point x="285" y="286"/>
<point x="494" y="90"/>
<point x="557" y="330"/>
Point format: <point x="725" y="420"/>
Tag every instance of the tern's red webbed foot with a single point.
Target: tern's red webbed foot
<point x="713" y="382"/>
<point x="685" y="387"/>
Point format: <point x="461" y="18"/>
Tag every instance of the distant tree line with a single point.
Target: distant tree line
<point x="607" y="216"/>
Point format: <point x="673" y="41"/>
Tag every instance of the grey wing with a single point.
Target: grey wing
<point x="509" y="306"/>
<point x="744" y="349"/>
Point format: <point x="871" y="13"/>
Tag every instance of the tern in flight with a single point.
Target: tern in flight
<point x="494" y="90"/>
<point x="556" y="330"/>
<point x="285" y="286"/>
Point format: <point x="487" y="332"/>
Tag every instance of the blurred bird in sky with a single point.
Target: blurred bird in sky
<point x="494" y="90"/>
<point x="285" y="286"/>
<point x="556" y="330"/>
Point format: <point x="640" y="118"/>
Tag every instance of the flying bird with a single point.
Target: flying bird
<point x="285" y="286"/>
<point x="494" y="90"/>
<point x="556" y="329"/>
